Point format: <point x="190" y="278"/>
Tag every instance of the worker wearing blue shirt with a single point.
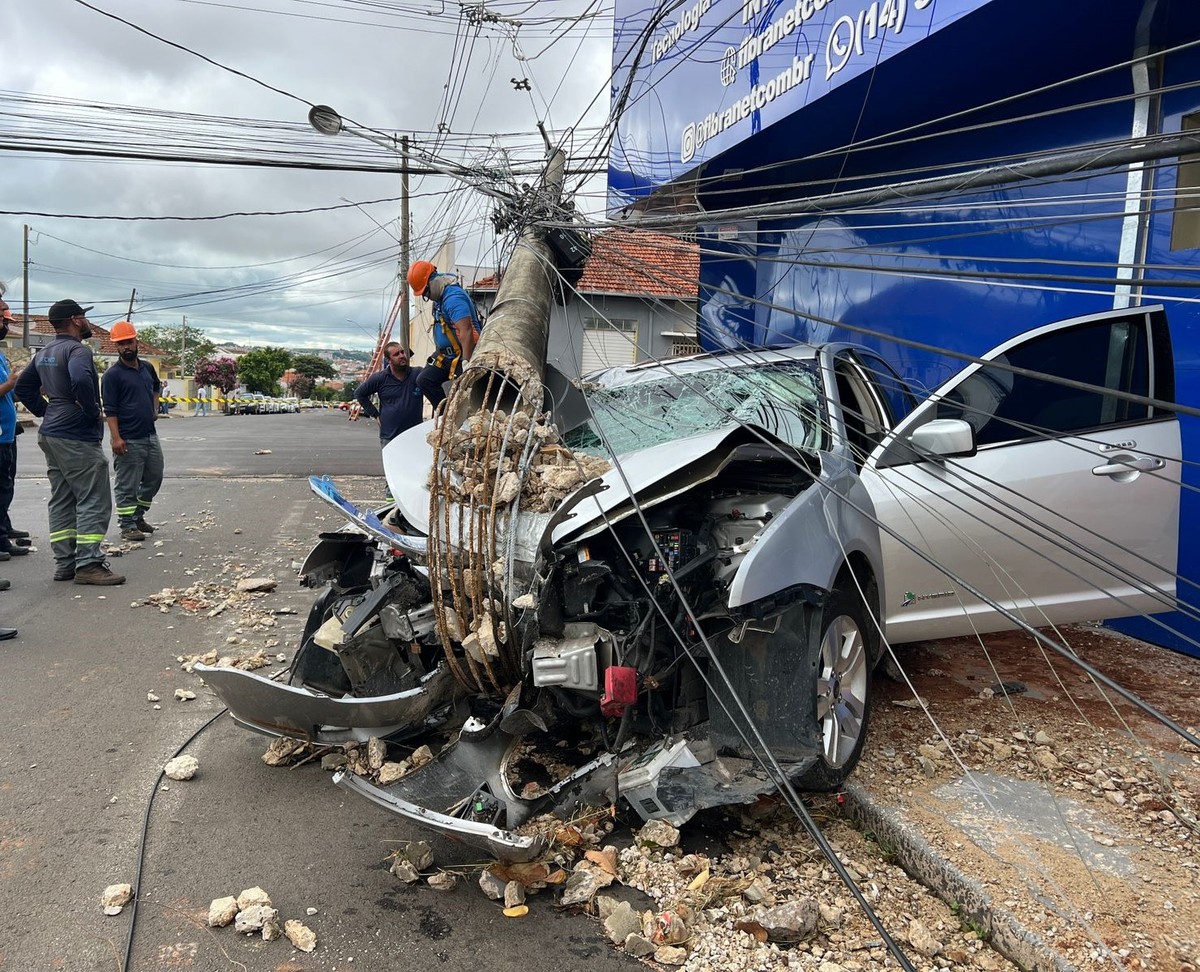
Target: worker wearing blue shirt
<point x="400" y="401"/>
<point x="456" y="327"/>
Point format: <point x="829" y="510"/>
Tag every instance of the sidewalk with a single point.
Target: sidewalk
<point x="1068" y="833"/>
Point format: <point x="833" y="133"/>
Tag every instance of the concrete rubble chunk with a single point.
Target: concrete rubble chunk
<point x="281" y="751"/>
<point x="182" y="768"/>
<point x="116" y="897"/>
<point x="300" y="935"/>
<point x="252" y="919"/>
<point x="419" y="854"/>
<point x="659" y="833"/>
<point x="670" y="955"/>
<point x="514" y="894"/>
<point x="222" y="911"/>
<point x="376" y="752"/>
<point x="442" y="881"/>
<point x="404" y="870"/>
<point x="271" y="930"/>
<point x="792" y="921"/>
<point x="622" y="923"/>
<point x="333" y="761"/>
<point x="253" y="896"/>
<point x="639" y="946"/>
<point x="389" y="772"/>
<point x="491" y="885"/>
<point x="583" y="884"/>
<point x="921" y="938"/>
<point x="184" y="695"/>
<point x="249" y="585"/>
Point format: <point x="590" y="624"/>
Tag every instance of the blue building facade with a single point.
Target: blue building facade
<point x="772" y="121"/>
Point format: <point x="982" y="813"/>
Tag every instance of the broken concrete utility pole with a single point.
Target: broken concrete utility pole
<point x="490" y="436"/>
<point x="510" y="357"/>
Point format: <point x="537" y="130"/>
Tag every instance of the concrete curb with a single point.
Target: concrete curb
<point x="925" y="864"/>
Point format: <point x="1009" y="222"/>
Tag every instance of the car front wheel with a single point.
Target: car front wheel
<point x="840" y="688"/>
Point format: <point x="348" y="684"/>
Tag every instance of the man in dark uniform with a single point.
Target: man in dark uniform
<point x="64" y="372"/>
<point x="400" y="400"/>
<point x="131" y="405"/>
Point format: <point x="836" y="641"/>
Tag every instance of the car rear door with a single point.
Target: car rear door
<point x="1068" y="511"/>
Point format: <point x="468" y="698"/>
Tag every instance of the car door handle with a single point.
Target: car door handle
<point x="1128" y="464"/>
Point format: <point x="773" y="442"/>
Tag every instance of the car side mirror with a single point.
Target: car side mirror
<point x="943" y="437"/>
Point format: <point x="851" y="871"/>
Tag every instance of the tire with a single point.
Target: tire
<point x="839" y="684"/>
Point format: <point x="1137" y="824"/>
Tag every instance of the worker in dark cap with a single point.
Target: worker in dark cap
<point x="61" y="387"/>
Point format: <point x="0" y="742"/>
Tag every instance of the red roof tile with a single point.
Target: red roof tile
<point x="637" y="263"/>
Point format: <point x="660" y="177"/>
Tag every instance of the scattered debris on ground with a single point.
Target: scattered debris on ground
<point x="251" y="913"/>
<point x="182" y="768"/>
<point x="115" y="898"/>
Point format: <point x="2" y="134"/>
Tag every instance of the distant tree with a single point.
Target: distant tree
<point x="324" y="393"/>
<point x="261" y="369"/>
<point x="348" y="391"/>
<point x="307" y="369"/>
<point x="222" y="374"/>
<point x="182" y="344"/>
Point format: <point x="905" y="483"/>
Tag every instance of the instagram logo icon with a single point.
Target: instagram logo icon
<point x="687" y="149"/>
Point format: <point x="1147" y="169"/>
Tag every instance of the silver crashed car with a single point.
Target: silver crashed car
<point x="712" y="562"/>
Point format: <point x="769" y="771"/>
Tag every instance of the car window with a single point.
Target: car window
<point x="1111" y="354"/>
<point x="783" y="398"/>
<point x="897" y="396"/>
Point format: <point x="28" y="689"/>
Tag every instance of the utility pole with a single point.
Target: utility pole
<point x="132" y="295"/>
<point x="25" y="288"/>
<point x="405" y="256"/>
<point x="183" y="347"/>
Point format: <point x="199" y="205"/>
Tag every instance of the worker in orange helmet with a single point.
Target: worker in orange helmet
<point x="131" y="398"/>
<point x="456" y="327"/>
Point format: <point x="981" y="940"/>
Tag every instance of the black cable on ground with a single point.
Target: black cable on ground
<point x="141" y="858"/>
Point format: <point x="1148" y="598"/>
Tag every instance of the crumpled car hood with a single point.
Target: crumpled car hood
<point x="653" y="475"/>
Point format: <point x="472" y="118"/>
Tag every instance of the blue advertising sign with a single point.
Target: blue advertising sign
<point x="691" y="80"/>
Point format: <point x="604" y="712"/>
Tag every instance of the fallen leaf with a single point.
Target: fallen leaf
<point x="699" y="881"/>
<point x="752" y="928"/>
<point x="605" y="860"/>
<point x="517" y="911"/>
<point x="568" y="836"/>
<point x="527" y="873"/>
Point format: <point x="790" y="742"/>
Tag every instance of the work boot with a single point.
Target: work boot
<point x="65" y="573"/>
<point x="142" y="525"/>
<point x="5" y="583"/>
<point x="5" y="555"/>
<point x="99" y="574"/>
<point x="131" y="533"/>
<point x="18" y="535"/>
<point x="14" y="551"/>
<point x="7" y="633"/>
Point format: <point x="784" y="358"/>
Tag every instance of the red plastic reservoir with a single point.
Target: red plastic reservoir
<point x="620" y="690"/>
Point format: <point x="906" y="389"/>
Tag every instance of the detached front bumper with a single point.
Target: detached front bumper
<point x="276" y="709"/>
<point x="502" y="844"/>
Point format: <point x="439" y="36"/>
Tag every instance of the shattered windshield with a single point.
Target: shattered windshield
<point x="783" y="398"/>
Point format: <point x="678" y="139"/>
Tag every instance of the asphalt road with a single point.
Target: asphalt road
<point x="81" y="747"/>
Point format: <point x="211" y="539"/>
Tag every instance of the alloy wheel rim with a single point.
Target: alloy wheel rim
<point x="841" y="690"/>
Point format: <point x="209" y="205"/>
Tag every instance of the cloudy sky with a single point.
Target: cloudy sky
<point x="80" y="89"/>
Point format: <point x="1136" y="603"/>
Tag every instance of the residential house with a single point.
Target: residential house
<point x="636" y="301"/>
<point x="104" y="347"/>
